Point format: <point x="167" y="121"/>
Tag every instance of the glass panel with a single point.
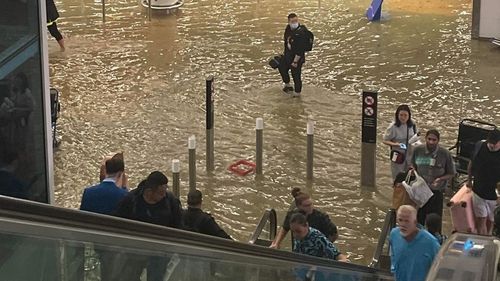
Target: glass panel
<point x="22" y="130"/>
<point x="101" y="256"/>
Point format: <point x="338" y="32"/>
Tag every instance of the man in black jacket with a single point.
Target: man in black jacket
<point x="294" y="54"/>
<point x="198" y="221"/>
<point x="150" y="202"/>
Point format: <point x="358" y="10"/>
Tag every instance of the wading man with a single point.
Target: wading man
<point x="297" y="41"/>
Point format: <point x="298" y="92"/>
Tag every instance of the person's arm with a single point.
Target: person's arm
<point x="329" y="250"/>
<point x="83" y="203"/>
<point x="177" y="212"/>
<point x="124" y="209"/>
<point x="279" y="238"/>
<point x="449" y="173"/>
<point x="214" y="229"/>
<point x="469" y="175"/>
<point x="389" y="135"/>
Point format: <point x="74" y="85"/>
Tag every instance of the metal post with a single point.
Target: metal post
<point x="192" y="163"/>
<point x="176" y="169"/>
<point x="103" y="11"/>
<point x="310" y="149"/>
<point x="209" y="104"/>
<point x="149" y="9"/>
<point x="259" y="132"/>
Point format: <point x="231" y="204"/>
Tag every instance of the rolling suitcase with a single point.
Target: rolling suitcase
<point x="462" y="214"/>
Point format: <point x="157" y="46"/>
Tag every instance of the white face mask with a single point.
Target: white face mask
<point x="493" y="147"/>
<point x="294" y="25"/>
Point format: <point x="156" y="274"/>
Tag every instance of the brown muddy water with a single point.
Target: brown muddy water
<point x="138" y="86"/>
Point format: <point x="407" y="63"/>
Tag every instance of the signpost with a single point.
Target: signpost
<point x="369" y="139"/>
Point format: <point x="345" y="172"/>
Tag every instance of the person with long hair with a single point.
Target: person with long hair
<point x="398" y="137"/>
<point x="315" y="218"/>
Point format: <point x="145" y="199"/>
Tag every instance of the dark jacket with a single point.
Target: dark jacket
<point x="52" y="13"/>
<point x="167" y="212"/>
<point x="198" y="221"/>
<point x="297" y="41"/>
<point x="102" y="198"/>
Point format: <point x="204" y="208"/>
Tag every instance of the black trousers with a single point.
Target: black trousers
<point x="434" y="205"/>
<point x="284" y="69"/>
<point x="54" y="31"/>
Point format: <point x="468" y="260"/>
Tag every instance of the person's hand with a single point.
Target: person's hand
<point x="294" y="64"/>
<point x="468" y="185"/>
<point x="436" y="182"/>
<point x="274" y="246"/>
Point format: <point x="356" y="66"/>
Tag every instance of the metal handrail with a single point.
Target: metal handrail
<point x="269" y="215"/>
<point x="389" y="223"/>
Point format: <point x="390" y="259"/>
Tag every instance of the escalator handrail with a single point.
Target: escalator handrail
<point x="34" y="212"/>
<point x="269" y="215"/>
<point x="389" y="223"/>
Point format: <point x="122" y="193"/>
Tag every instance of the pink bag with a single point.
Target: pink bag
<point x="462" y="214"/>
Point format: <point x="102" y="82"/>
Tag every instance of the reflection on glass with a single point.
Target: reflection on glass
<point x="22" y="141"/>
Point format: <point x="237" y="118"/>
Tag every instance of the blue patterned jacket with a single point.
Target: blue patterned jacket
<point x="316" y="244"/>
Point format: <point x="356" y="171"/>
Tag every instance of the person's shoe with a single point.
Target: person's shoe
<point x="296" y="95"/>
<point x="287" y="89"/>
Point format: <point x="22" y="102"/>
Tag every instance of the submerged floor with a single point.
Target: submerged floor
<point x="138" y="86"/>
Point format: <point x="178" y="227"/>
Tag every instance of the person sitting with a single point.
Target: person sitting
<point x="433" y="225"/>
<point x="310" y="241"/>
<point x="195" y="219"/>
<point x="315" y="218"/>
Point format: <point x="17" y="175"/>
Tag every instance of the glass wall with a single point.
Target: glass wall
<point x="23" y="137"/>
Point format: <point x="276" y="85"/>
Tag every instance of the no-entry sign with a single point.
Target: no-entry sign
<point x="369" y="117"/>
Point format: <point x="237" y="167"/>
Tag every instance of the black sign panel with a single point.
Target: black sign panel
<point x="209" y="102"/>
<point x="369" y="119"/>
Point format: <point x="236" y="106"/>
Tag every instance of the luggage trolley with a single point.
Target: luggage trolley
<point x="470" y="132"/>
<point x="55" y="108"/>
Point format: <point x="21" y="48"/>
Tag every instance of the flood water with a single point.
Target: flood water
<point x="138" y="86"/>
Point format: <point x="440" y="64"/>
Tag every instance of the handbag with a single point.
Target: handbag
<point x="275" y="61"/>
<point x="398" y="157"/>
<point x="418" y="190"/>
<point x="401" y="197"/>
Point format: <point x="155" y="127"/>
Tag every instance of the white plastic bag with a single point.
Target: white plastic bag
<point x="418" y="190"/>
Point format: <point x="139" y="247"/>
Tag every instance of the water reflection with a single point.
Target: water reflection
<point x="138" y="86"/>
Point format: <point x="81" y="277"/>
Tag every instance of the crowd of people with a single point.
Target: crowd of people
<point x="150" y="202"/>
<point x="416" y="240"/>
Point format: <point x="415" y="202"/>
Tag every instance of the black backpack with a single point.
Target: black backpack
<point x="308" y="38"/>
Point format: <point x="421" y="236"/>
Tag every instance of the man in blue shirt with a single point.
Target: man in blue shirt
<point x="412" y="249"/>
<point x="103" y="198"/>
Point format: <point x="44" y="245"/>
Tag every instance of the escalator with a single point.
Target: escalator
<point x="46" y="243"/>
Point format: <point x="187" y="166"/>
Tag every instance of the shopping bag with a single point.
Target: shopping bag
<point x="401" y="197"/>
<point x="418" y="190"/>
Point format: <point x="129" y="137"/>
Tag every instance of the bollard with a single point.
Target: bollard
<point x="259" y="132"/>
<point x="176" y="179"/>
<point x="149" y="9"/>
<point x="310" y="149"/>
<point x="209" y="108"/>
<point x="192" y="163"/>
<point x="103" y="11"/>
